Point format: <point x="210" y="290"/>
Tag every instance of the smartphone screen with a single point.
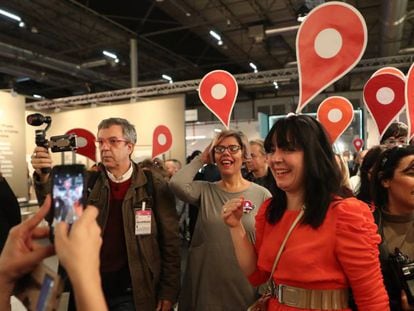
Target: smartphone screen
<point x="68" y="189"/>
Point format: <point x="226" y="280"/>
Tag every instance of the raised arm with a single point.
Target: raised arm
<point x="183" y="185"/>
<point x="245" y="252"/>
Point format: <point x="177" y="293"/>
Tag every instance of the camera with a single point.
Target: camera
<point x="60" y="143"/>
<point x="403" y="269"/>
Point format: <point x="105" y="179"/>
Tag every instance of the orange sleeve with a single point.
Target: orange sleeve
<point x="356" y="248"/>
<point x="259" y="277"/>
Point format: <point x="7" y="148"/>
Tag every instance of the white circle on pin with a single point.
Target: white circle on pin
<point x="335" y="115"/>
<point x="385" y="96"/>
<point x="328" y="43"/>
<point x="162" y="139"/>
<point x="218" y="91"/>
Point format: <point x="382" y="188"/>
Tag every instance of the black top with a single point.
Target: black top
<point x="9" y="211"/>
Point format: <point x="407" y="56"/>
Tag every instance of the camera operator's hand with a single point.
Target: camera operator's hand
<point x="41" y="159"/>
<point x="22" y="253"/>
<point x="78" y="251"/>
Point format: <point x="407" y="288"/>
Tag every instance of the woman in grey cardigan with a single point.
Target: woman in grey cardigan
<point x="213" y="279"/>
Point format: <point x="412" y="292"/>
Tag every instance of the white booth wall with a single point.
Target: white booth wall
<point x="144" y="115"/>
<point x="12" y="142"/>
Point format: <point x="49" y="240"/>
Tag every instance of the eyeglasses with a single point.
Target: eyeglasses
<point x="113" y="142"/>
<point x="231" y="148"/>
<point x="392" y="141"/>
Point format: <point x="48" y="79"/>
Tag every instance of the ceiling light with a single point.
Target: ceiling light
<point x="216" y="36"/>
<point x="168" y="78"/>
<point x="22" y="24"/>
<point x="253" y="66"/>
<point x="110" y="55"/>
<point x="10" y="15"/>
<point x="37" y="96"/>
<point x="276" y="84"/>
<point x="22" y="79"/>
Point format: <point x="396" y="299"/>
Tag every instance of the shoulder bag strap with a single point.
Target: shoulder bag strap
<point x="282" y="246"/>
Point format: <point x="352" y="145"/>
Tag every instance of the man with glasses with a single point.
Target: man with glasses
<point x="140" y="261"/>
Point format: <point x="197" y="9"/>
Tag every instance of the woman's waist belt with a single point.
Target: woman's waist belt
<point x="302" y="298"/>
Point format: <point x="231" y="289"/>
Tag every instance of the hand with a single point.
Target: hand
<point x="21" y="252"/>
<point x="206" y="155"/>
<point x="233" y="212"/>
<point x="78" y="249"/>
<point x="164" y="305"/>
<point x="41" y="159"/>
<point x="404" y="302"/>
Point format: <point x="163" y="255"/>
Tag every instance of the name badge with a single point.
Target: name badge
<point x="143" y="220"/>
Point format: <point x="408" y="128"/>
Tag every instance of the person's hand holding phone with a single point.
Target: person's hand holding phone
<point x="22" y="252"/>
<point x="78" y="251"/>
<point x="78" y="248"/>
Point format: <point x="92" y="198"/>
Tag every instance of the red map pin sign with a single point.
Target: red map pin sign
<point x="335" y="113"/>
<point x="358" y="143"/>
<point x="391" y="70"/>
<point x="218" y="91"/>
<point x="161" y="140"/>
<point x="384" y="99"/>
<point x="86" y="143"/>
<point x="409" y="100"/>
<point x="329" y="43"/>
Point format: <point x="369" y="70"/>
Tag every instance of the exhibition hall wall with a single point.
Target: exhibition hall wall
<point x="145" y="115"/>
<point x="12" y="142"/>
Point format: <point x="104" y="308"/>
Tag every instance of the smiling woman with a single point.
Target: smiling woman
<point x="321" y="259"/>
<point x="213" y="279"/>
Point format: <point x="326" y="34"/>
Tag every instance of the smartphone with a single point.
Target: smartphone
<point x="68" y="192"/>
<point x="40" y="290"/>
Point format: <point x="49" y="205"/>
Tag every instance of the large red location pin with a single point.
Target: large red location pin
<point x="329" y="43"/>
<point x="161" y="140"/>
<point x="218" y="91"/>
<point x="409" y="100"/>
<point x="391" y="70"/>
<point x="86" y="143"/>
<point x="335" y="113"/>
<point x="358" y="143"/>
<point x="384" y="99"/>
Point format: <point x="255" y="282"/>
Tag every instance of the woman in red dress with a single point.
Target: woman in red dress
<point x="334" y="247"/>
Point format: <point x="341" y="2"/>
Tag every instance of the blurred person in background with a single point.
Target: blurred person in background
<point x="257" y="165"/>
<point x="362" y="186"/>
<point x="172" y="166"/>
<point x="396" y="134"/>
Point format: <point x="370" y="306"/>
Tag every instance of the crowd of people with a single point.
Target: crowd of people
<point x="327" y="233"/>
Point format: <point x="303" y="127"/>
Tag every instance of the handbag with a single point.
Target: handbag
<point x="262" y="303"/>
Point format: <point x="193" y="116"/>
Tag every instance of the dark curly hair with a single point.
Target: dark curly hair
<point x="384" y="169"/>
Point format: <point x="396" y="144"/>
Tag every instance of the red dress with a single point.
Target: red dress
<point x="341" y="253"/>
